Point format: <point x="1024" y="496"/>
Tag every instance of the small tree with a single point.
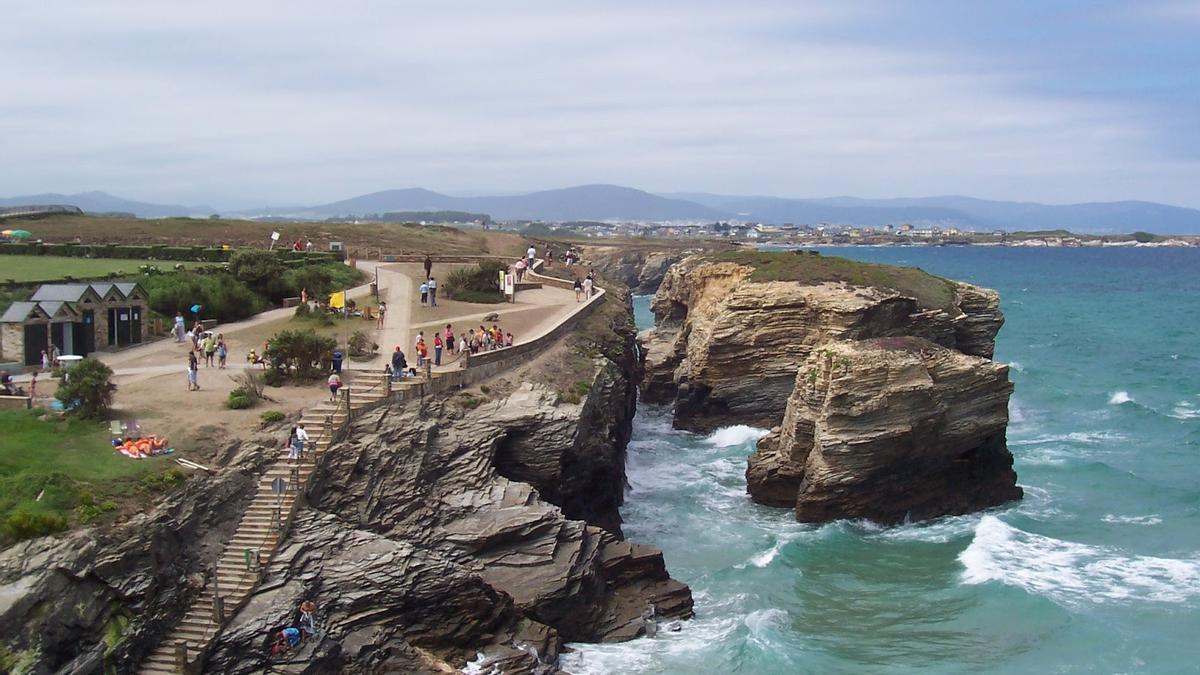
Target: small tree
<point x="87" y="389"/>
<point x="298" y="353"/>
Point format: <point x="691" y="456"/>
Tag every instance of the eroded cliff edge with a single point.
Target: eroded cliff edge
<point x="482" y="521"/>
<point x="877" y="381"/>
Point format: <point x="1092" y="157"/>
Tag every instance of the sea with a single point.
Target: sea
<point x="1096" y="570"/>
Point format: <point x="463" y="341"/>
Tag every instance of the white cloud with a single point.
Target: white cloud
<point x="303" y="102"/>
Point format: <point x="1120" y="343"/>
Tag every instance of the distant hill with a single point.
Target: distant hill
<point x="102" y="202"/>
<point x="612" y="202"/>
<point x="585" y="202"/>
<point x="980" y="214"/>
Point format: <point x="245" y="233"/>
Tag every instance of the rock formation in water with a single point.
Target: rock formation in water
<point x="890" y="405"/>
<point x="889" y="429"/>
<point x="727" y="345"/>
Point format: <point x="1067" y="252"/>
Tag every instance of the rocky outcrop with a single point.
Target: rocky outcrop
<point x="641" y="271"/>
<point x="890" y="430"/>
<point x="98" y="600"/>
<point x="727" y="346"/>
<point x="414" y="543"/>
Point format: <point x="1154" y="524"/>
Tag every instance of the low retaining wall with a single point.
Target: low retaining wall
<point x="16" y="402"/>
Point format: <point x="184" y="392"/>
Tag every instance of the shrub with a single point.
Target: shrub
<point x="87" y="390"/>
<point x="239" y="399"/>
<point x="273" y="377"/>
<point x="299" y="353"/>
<point x="23" y="524"/>
<point x="223" y="297"/>
<point x="361" y="344"/>
<point x="272" y="416"/>
<point x="476" y="284"/>
<point x="161" y="482"/>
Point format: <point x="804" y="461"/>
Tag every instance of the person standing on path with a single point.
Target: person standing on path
<point x="382" y="311"/>
<point x="193" y="372"/>
<point x="45" y="360"/>
<point x="33" y="385"/>
<point x="530" y="254"/>
<point x="210" y="350"/>
<point x="449" y="339"/>
<point x="178" y="330"/>
<point x="520" y="268"/>
<point x="335" y="383"/>
<point x="587" y="287"/>
<point x="578" y="290"/>
<point x="398" y="363"/>
<point x="428" y="266"/>
<point x="222" y="351"/>
<point x="437" y="349"/>
<point x="432" y="292"/>
<point x="424" y="293"/>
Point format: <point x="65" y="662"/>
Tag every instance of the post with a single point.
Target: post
<point x="181" y="655"/>
<point x="428" y="371"/>
<point x="349" y="413"/>
<point x="387" y="385"/>
<point x="218" y="610"/>
<point x="294" y="477"/>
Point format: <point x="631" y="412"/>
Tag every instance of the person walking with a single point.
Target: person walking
<point x="382" y="311"/>
<point x="530" y="254"/>
<point x="428" y="266"/>
<point x="193" y="372"/>
<point x="222" y="351"/>
<point x="587" y="287"/>
<point x="45" y="360"/>
<point x="210" y="350"/>
<point x="437" y="349"/>
<point x="432" y="292"/>
<point x="335" y="383"/>
<point x="424" y="293"/>
<point x="578" y="290"/>
<point x="293" y="453"/>
<point x="178" y="330"/>
<point x="301" y="441"/>
<point x="33" y="385"/>
<point x="520" y="268"/>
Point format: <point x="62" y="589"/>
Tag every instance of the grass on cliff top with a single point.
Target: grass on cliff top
<point x="71" y="465"/>
<point x="931" y="292"/>
<point x="48" y="267"/>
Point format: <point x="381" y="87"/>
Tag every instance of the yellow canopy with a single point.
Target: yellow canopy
<point x="338" y="300"/>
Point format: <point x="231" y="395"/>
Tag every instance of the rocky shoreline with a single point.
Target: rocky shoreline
<point x="444" y="530"/>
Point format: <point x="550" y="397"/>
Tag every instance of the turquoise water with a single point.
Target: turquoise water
<point x="1097" y="570"/>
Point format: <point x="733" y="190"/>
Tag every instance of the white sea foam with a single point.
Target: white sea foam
<point x="935" y="532"/>
<point x="1016" y="365"/>
<point x="1132" y="520"/>
<point x="1184" y="410"/>
<point x="734" y="435"/>
<point x="477" y="667"/>
<point x="1071" y="573"/>
<point x="1084" y="437"/>
<point x="1119" y="397"/>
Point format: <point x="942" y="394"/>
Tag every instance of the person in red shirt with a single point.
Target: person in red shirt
<point x="437" y="349"/>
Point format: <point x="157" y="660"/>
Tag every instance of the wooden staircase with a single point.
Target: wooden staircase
<point x="262" y="527"/>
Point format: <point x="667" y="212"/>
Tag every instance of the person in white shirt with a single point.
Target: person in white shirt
<point x="298" y="443"/>
<point x="531" y="254"/>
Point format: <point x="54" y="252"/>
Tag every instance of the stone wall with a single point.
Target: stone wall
<point x="17" y="402"/>
<point x="12" y="342"/>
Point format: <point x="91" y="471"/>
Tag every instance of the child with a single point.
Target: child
<point x="222" y="351"/>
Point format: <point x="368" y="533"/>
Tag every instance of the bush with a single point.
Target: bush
<point x="478" y="284"/>
<point x="299" y="354"/>
<point x="87" y="390"/>
<point x="273" y="377"/>
<point x="361" y="344"/>
<point x="161" y="482"/>
<point x="23" y="524"/>
<point x="223" y="297"/>
<point x="239" y="399"/>
<point x="272" y="416"/>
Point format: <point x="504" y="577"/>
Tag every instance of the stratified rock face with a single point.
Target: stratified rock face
<point x="63" y="598"/>
<point x="726" y="349"/>
<point x="641" y="271"/>
<point x="414" y="543"/>
<point x="890" y="430"/>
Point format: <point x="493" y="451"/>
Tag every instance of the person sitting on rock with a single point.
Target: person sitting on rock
<point x="286" y="640"/>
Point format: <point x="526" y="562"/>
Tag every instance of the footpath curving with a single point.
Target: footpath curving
<point x="265" y="523"/>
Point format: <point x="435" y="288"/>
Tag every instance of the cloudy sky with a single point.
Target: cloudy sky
<point x="239" y="104"/>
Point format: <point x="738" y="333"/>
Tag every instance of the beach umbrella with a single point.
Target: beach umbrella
<point x="5" y="233"/>
<point x="20" y="234"/>
<point x="196" y="309"/>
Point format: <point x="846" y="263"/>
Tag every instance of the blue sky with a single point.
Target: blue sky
<point x="245" y="104"/>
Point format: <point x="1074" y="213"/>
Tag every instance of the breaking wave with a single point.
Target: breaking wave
<point x="1120" y="397"/>
<point x="734" y="435"/>
<point x="1070" y="573"/>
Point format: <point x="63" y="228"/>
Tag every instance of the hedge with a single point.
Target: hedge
<point x="133" y="252"/>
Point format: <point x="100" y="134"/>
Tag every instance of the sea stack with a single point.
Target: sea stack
<point x="877" y="381"/>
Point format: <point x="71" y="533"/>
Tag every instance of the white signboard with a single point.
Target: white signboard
<point x="509" y="284"/>
<point x="274" y="236"/>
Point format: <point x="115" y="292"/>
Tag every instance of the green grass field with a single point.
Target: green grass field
<point x="48" y="267"/>
<point x="71" y="464"/>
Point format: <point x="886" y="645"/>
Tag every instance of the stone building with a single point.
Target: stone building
<point x="77" y="318"/>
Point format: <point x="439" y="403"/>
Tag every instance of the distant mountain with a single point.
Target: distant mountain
<point x="981" y="214"/>
<point x="102" y="202"/>
<point x="594" y="202"/>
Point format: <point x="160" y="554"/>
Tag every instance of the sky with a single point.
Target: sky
<point x="242" y="104"/>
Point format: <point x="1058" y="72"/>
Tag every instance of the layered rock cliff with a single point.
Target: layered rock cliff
<point x="727" y="344"/>
<point x="877" y="381"/>
<point x="642" y="271"/>
<point x="889" y="429"/>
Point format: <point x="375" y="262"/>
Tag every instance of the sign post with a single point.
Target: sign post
<point x="510" y="287"/>
<point x="274" y="238"/>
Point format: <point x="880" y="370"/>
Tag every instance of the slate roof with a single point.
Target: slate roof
<point x="18" y="312"/>
<point x="62" y="292"/>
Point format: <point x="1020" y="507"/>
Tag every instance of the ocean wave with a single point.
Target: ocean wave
<point x="1132" y="520"/>
<point x="1119" y="398"/>
<point x="937" y="531"/>
<point x="1084" y="437"/>
<point x="1184" y="410"/>
<point x="1016" y="365"/>
<point x="1070" y="573"/>
<point x="734" y="435"/>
